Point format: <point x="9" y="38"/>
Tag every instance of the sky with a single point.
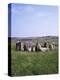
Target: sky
<point x="33" y="20"/>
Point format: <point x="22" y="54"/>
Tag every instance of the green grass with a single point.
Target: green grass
<point x="33" y="63"/>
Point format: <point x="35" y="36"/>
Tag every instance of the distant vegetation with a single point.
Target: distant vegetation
<point x="37" y="39"/>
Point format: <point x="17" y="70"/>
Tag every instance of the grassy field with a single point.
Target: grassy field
<point x="33" y="63"/>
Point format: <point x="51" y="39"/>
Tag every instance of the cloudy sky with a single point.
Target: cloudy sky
<point x="34" y="20"/>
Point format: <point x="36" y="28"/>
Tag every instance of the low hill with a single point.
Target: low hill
<point x="37" y="39"/>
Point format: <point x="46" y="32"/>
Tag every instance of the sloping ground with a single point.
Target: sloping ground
<point x="34" y="63"/>
<point x="37" y="39"/>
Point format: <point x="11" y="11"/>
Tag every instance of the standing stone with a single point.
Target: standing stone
<point x="18" y="45"/>
<point x="22" y="46"/>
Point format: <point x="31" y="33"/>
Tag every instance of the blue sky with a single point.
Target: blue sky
<point x="34" y="20"/>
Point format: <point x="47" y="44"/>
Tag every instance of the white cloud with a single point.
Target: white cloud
<point x="30" y="10"/>
<point x="27" y="9"/>
<point x="42" y="14"/>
